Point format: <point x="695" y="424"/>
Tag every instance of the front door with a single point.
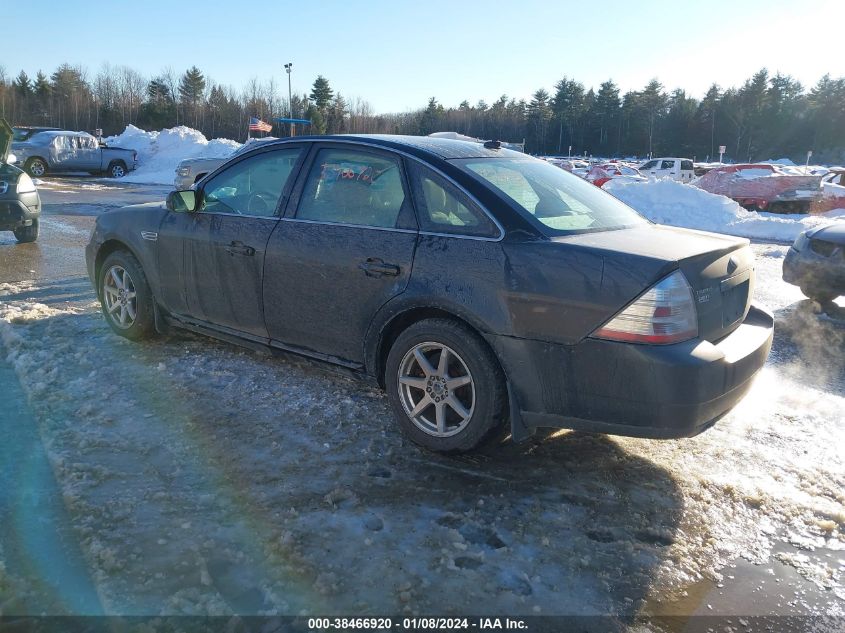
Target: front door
<point x="344" y="250"/>
<point x="219" y="250"/>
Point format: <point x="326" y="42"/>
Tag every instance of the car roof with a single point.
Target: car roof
<point x="443" y="148"/>
<point x="55" y="132"/>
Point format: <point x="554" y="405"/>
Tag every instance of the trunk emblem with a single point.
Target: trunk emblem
<point x="703" y="295"/>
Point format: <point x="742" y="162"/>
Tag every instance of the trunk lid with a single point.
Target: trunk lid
<point x="719" y="268"/>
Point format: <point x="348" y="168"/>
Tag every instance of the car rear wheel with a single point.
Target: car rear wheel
<point x="818" y="295"/>
<point x="445" y="386"/>
<point x="25" y="234"/>
<point x="36" y="167"/>
<point x="125" y="296"/>
<point x="117" y="170"/>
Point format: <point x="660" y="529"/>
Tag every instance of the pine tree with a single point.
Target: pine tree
<point x="321" y="92"/>
<point x="539" y="115"/>
<point x="22" y="85"/>
<point x="192" y="86"/>
<point x="430" y="118"/>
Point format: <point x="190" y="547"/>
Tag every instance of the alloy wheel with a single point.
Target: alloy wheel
<point x="37" y="168"/>
<point x="119" y="297"/>
<point x="436" y="389"/>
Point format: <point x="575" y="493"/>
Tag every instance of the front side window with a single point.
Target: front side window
<point x="445" y="209"/>
<point x="353" y="187"/>
<point x="652" y="164"/>
<point x="668" y="164"/>
<point x="252" y="186"/>
<point x="559" y="202"/>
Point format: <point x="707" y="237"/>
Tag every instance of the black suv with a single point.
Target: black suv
<point x="20" y="205"/>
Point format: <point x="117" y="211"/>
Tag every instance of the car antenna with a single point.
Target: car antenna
<point x="494" y="144"/>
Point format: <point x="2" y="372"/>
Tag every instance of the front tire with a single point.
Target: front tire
<point x="446" y="387"/>
<point x="36" y="167"/>
<point x="125" y="296"/>
<point x="26" y="234"/>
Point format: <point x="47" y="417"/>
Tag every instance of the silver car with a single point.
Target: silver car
<point x="64" y="151"/>
<point x="191" y="170"/>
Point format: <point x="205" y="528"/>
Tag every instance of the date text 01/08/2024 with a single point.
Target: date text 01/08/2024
<point x="424" y="624"/>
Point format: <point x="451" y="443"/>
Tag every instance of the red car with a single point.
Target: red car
<point x="766" y="187"/>
<point x="600" y="174"/>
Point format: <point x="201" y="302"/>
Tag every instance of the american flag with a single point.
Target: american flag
<point x="257" y="125"/>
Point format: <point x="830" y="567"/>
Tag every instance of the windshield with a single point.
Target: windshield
<point x="560" y="202"/>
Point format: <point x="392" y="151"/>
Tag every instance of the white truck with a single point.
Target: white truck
<point x="680" y="169"/>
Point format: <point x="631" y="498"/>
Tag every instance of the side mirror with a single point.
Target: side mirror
<point x="183" y="201"/>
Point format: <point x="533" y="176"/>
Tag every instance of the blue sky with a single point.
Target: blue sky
<point x="397" y="54"/>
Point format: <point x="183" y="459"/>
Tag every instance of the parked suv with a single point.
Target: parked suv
<point x="64" y="151"/>
<point x="680" y="169"/>
<point x="20" y="205"/>
<point x="479" y="286"/>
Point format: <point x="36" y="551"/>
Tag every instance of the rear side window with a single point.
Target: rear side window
<point x="252" y="186"/>
<point x="443" y="208"/>
<point x="352" y="187"/>
<point x="558" y="201"/>
<point x="686" y="165"/>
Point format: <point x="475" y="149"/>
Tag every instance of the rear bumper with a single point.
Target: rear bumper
<point x="638" y="390"/>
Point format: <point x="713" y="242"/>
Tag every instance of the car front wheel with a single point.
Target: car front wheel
<point x="36" y="167"/>
<point x="25" y="234"/>
<point x="445" y="386"/>
<point x="125" y="296"/>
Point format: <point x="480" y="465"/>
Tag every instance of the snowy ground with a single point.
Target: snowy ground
<point x="196" y="477"/>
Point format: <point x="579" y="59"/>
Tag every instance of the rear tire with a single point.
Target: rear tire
<point x="449" y="406"/>
<point x="817" y="295"/>
<point x="36" y="167"/>
<point x="125" y="296"/>
<point x="26" y="234"/>
<point x="117" y="169"/>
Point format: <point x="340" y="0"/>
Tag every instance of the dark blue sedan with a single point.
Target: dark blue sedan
<point x="488" y="292"/>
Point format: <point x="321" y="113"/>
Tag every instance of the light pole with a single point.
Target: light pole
<point x="288" y="69"/>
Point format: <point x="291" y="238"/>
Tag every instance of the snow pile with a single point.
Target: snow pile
<point x="669" y="202"/>
<point x="160" y="152"/>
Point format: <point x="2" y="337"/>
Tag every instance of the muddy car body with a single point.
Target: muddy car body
<point x="476" y="284"/>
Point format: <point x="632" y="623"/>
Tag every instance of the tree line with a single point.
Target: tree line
<point x="768" y="116"/>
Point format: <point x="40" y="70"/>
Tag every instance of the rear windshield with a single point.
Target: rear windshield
<point x="559" y="202"/>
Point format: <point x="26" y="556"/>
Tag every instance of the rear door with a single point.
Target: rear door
<point x="344" y="248"/>
<point x="215" y="256"/>
<point x="87" y="153"/>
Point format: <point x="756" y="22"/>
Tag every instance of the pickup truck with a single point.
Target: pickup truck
<point x="680" y="169"/>
<point x="63" y="151"/>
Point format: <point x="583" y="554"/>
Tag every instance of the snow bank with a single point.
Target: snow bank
<point x="160" y="152"/>
<point x="668" y="202"/>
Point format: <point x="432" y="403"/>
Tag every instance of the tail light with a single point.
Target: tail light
<point x="663" y="314"/>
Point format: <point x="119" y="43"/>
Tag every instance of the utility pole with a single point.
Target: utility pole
<point x="288" y="69"/>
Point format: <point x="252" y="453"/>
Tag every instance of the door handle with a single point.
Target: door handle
<point x="375" y="267"/>
<point x="239" y="248"/>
